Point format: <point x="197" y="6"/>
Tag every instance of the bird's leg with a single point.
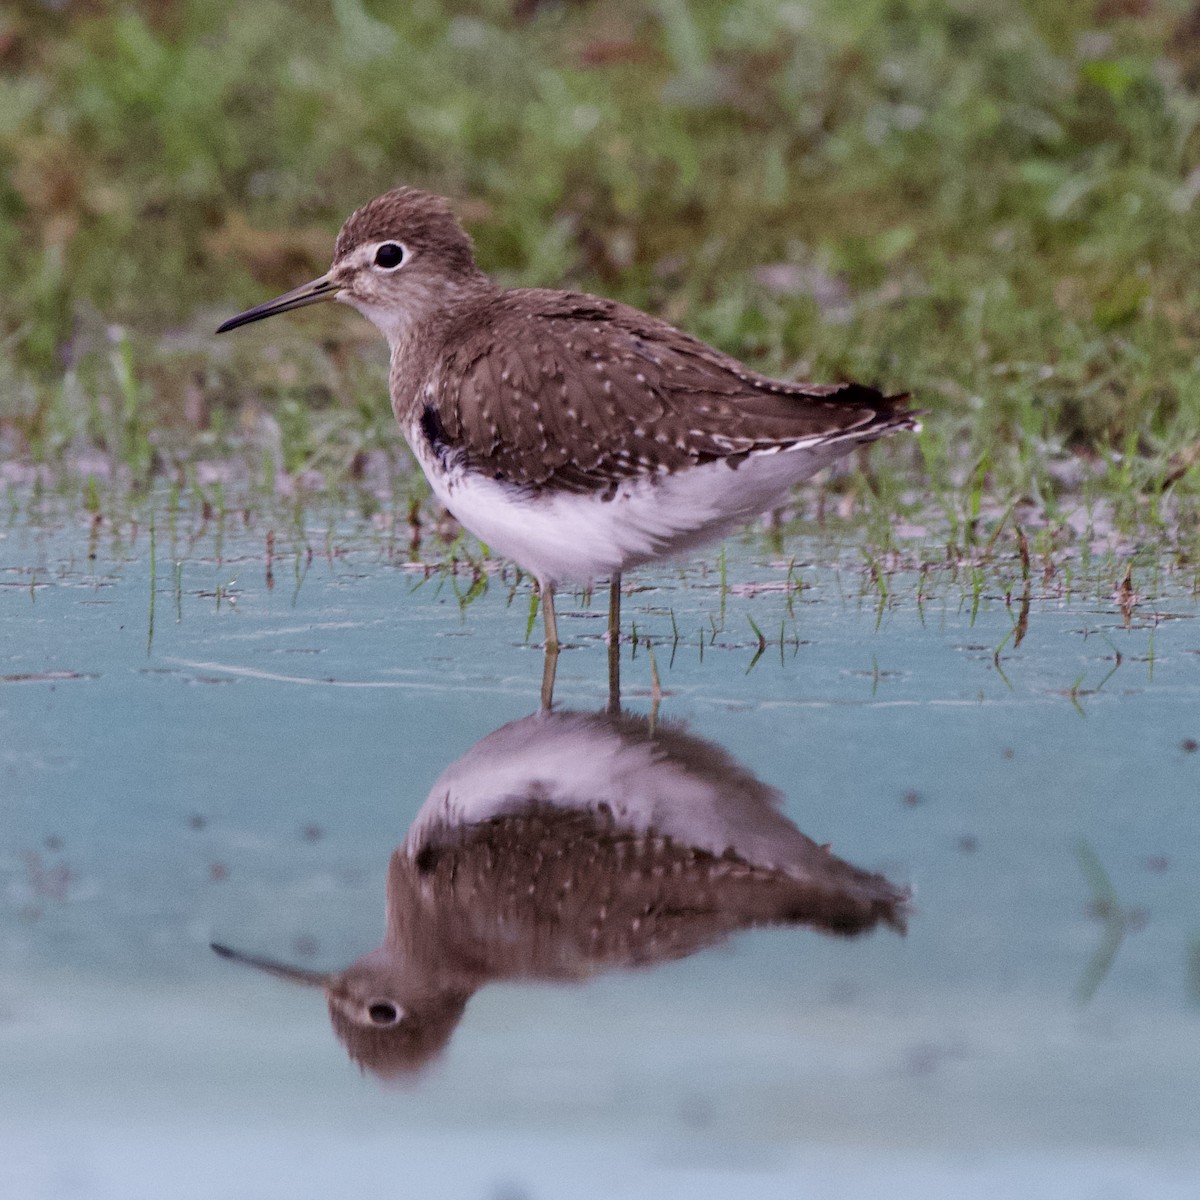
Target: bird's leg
<point x="550" y="665"/>
<point x="548" y="615"/>
<point x="614" y="644"/>
<point x="549" y="668"/>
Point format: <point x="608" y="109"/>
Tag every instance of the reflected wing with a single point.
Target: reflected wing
<point x="560" y="893"/>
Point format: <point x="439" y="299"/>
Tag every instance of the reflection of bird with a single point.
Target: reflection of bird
<point x="566" y="844"/>
<point x="575" y="435"/>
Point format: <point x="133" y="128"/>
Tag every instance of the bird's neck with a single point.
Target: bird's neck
<point x="418" y="335"/>
<point x="431" y="302"/>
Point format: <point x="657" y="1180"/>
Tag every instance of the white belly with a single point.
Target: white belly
<point x="567" y="537"/>
<point x="671" y="785"/>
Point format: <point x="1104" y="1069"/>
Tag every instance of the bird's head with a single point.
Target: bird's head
<point x="392" y="1022"/>
<point x="399" y="258"/>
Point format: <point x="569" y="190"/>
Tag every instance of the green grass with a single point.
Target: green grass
<point x="993" y="205"/>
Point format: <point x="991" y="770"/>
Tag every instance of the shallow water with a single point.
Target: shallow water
<point x="243" y="770"/>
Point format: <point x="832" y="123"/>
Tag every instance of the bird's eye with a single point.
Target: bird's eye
<point x="389" y="256"/>
<point x="383" y="1012"/>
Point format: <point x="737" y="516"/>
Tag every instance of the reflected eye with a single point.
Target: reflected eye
<point x="389" y="256"/>
<point x="383" y="1012"/>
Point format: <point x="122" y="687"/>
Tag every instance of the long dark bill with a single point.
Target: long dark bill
<point x="308" y="293"/>
<point x="278" y="969"/>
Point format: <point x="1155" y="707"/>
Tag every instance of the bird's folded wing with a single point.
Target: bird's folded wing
<point x="577" y="393"/>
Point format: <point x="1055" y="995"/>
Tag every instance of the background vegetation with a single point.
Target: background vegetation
<point x="991" y="204"/>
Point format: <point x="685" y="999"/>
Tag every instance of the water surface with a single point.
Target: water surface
<point x="243" y="770"/>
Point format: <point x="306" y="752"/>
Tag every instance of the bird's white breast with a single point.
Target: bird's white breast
<point x="580" y="537"/>
<point x="580" y="761"/>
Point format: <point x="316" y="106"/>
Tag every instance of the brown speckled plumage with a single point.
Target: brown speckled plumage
<point x="552" y="893"/>
<point x="550" y="390"/>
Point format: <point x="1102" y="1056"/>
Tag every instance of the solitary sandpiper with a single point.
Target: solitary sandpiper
<point x="566" y="844"/>
<point x="575" y="435"/>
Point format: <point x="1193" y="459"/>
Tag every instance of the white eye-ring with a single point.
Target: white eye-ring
<point x="384" y="1012"/>
<point x="390" y="255"/>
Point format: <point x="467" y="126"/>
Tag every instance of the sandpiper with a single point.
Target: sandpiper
<point x="566" y="844"/>
<point x="574" y="435"/>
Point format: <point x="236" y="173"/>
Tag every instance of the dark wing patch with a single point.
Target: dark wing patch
<point x="434" y="433"/>
<point x="577" y="394"/>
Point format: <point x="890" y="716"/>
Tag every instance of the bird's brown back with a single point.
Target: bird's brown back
<point x="569" y="392"/>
